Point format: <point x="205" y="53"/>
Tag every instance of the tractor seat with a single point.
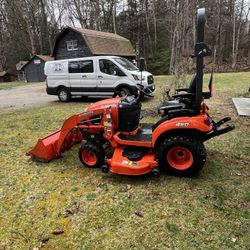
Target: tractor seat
<point x="165" y="107"/>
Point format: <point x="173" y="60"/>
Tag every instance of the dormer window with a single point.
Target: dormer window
<point x="72" y="45"/>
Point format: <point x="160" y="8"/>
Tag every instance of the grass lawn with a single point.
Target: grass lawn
<point x="11" y="85"/>
<point x="62" y="205"/>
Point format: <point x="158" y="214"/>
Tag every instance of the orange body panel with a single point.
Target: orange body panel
<point x="122" y="165"/>
<point x="132" y="143"/>
<point x="196" y="122"/>
<point x="53" y="145"/>
<point x="111" y="103"/>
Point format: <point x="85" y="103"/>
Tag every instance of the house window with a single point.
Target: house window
<point x="81" y="66"/>
<point x="37" y="61"/>
<point x="72" y="45"/>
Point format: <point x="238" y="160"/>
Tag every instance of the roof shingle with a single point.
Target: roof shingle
<point x="105" y="43"/>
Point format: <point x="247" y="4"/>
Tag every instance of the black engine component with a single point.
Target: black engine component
<point x="133" y="153"/>
<point x="129" y="113"/>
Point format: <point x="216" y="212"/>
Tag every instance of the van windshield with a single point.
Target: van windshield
<point x="125" y="63"/>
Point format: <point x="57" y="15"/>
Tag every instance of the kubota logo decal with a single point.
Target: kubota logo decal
<point x="182" y="124"/>
<point x="86" y="114"/>
<point x="108" y="106"/>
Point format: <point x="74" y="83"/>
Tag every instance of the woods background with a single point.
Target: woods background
<point x="163" y="29"/>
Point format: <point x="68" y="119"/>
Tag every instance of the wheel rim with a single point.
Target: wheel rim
<point x="123" y="93"/>
<point x="180" y="158"/>
<point x="89" y="157"/>
<point x="63" y="95"/>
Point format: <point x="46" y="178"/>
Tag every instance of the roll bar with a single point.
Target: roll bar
<point x="201" y="50"/>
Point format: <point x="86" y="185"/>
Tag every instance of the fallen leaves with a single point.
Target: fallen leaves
<point x="139" y="214"/>
<point x="58" y="231"/>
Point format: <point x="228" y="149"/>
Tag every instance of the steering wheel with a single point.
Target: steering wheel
<point x="144" y="90"/>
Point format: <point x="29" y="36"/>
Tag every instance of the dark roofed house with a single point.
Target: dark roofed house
<point x="77" y="42"/>
<point x="34" y="68"/>
<point x="7" y="76"/>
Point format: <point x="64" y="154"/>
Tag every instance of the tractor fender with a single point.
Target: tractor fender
<point x="198" y="124"/>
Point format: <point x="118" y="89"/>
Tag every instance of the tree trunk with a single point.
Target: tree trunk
<point x="148" y="30"/>
<point x="218" y="32"/>
<point x="155" y="26"/>
<point x="114" y="17"/>
<point x="238" y="36"/>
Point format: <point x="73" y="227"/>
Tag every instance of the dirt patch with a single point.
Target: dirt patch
<point x="150" y="112"/>
<point x="24" y="97"/>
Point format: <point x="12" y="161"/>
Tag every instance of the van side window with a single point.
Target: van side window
<point x="108" y="67"/>
<point x="81" y="66"/>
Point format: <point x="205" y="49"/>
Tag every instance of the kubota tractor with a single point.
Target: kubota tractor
<point x="116" y="141"/>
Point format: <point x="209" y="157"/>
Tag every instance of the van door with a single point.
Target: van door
<point x="83" y="79"/>
<point x="108" y="76"/>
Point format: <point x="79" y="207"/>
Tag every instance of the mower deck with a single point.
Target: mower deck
<point x="120" y="164"/>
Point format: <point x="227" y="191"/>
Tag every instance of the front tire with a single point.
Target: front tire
<point x="92" y="155"/>
<point x="123" y="92"/>
<point x="63" y="95"/>
<point x="182" y="155"/>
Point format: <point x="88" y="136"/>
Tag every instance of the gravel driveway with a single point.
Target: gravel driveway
<point x="24" y="97"/>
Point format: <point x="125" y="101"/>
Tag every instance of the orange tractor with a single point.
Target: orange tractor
<point x="116" y="141"/>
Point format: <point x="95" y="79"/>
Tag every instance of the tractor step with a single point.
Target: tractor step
<point x="142" y="135"/>
<point x="143" y="138"/>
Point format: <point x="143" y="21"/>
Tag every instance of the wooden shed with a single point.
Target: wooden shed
<point x="7" y="76"/>
<point x="34" y="68"/>
<point x="20" y="72"/>
<point x="78" y="42"/>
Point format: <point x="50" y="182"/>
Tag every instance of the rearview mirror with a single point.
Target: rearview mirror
<point x="119" y="72"/>
<point x="141" y="64"/>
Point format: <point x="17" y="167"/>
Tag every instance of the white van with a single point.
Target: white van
<point x="94" y="76"/>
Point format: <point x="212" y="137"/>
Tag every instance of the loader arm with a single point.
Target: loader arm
<point x="53" y="145"/>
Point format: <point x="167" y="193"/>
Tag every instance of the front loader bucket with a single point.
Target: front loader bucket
<point x="51" y="146"/>
<point x="46" y="148"/>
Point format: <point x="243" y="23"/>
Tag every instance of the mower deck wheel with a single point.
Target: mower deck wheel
<point x="182" y="155"/>
<point x="91" y="155"/>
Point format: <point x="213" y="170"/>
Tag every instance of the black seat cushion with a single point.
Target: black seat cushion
<point x="170" y="105"/>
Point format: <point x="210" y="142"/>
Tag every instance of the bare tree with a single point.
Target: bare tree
<point x="236" y="37"/>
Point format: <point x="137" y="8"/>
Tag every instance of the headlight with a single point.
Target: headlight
<point x="136" y="77"/>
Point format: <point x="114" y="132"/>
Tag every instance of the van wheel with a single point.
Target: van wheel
<point x="64" y="95"/>
<point x="124" y="92"/>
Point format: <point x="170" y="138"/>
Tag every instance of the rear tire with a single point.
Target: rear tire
<point x="92" y="155"/>
<point x="182" y="155"/>
<point x="123" y="92"/>
<point x="63" y="95"/>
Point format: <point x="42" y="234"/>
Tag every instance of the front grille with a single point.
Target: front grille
<point x="150" y="80"/>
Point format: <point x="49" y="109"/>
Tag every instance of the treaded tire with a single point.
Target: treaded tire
<point x="182" y="155"/>
<point x="63" y="95"/>
<point x="124" y="92"/>
<point x="91" y="155"/>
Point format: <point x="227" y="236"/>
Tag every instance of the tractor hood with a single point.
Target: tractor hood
<point x="112" y="103"/>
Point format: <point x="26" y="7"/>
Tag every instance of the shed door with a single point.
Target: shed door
<point x="34" y="71"/>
